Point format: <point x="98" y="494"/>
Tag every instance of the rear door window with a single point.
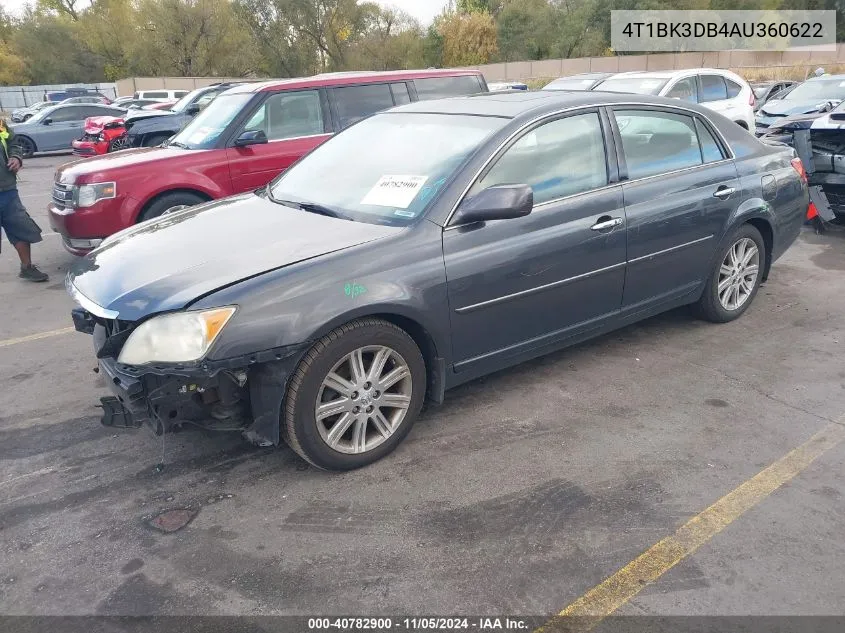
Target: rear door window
<point x="441" y="87"/>
<point x="656" y="142"/>
<point x="353" y="103"/>
<point x="289" y="114"/>
<point x="713" y="88"/>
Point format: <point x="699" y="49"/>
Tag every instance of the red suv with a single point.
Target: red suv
<point x="240" y="142"/>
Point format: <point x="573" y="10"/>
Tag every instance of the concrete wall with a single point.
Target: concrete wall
<point x="764" y="61"/>
<point x="758" y="60"/>
<point x="127" y="87"/>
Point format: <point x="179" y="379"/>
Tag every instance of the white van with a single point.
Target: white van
<point x="160" y="95"/>
<point x="720" y="90"/>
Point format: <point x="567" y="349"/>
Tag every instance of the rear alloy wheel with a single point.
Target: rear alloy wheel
<point x="734" y="282"/>
<point x="355" y="395"/>
<point x="26" y="146"/>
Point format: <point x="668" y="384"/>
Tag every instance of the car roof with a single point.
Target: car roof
<point x="519" y="104"/>
<point x="349" y="77"/>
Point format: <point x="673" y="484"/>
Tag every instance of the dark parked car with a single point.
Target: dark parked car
<point x="325" y="308"/>
<point x="151" y="127"/>
<point x="766" y="90"/>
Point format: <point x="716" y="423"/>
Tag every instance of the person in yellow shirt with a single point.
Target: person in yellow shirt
<point x="21" y="230"/>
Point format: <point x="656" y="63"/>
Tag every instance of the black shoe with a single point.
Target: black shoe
<point x="31" y="273"/>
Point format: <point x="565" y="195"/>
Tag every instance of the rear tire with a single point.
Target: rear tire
<point x="170" y="202"/>
<point x="384" y="396"/>
<point x="735" y="278"/>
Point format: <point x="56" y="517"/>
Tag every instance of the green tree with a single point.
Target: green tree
<point x="469" y="39"/>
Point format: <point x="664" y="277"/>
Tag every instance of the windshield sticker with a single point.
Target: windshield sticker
<point x="395" y="191"/>
<point x="353" y="290"/>
<point x="404" y="214"/>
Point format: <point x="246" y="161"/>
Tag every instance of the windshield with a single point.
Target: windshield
<point x="818" y="89"/>
<point x="185" y="101"/>
<point x="42" y="114"/>
<point x="204" y="130"/>
<point x="417" y="153"/>
<point x="571" y="84"/>
<point x="636" y="85"/>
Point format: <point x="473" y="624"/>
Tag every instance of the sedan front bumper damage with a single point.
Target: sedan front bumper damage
<point x="239" y="394"/>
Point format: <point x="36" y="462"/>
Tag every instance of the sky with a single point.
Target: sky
<point x="422" y="10"/>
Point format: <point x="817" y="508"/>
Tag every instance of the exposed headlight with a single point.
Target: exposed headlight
<point x="89" y="195"/>
<point x="180" y="337"/>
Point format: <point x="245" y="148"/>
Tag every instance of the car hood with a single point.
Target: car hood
<point x="796" y="121"/>
<point x="169" y="262"/>
<point x="134" y="114"/>
<point x="787" y="107"/>
<point x="69" y="173"/>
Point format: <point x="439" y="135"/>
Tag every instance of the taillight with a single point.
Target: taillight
<point x="812" y="212"/>
<point x="799" y="167"/>
<point x="751" y="99"/>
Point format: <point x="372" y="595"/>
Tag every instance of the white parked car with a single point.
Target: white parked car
<point x="160" y="95"/>
<point x="720" y="90"/>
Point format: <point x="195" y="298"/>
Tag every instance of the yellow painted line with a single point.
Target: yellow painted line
<point x="36" y="337"/>
<point x="605" y="598"/>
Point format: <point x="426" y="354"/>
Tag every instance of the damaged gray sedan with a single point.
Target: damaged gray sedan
<point x="424" y="247"/>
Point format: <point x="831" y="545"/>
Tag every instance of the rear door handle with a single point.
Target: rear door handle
<point x="606" y="222"/>
<point x="723" y="193"/>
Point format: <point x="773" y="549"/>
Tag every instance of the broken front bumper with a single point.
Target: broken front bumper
<point x="249" y="389"/>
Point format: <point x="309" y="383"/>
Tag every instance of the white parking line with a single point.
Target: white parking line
<point x="36" y="337"/>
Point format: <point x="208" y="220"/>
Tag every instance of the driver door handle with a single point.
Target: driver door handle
<point x="606" y="222"/>
<point x="723" y="193"/>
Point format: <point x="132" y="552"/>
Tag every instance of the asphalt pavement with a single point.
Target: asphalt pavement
<point x="521" y="493"/>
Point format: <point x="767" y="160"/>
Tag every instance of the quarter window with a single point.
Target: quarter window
<point x="441" y="87"/>
<point x="657" y="142"/>
<point x="685" y="90"/>
<point x="733" y="88"/>
<point x="353" y="103"/>
<point x="289" y="115"/>
<point x="400" y="93"/>
<point x="710" y="149"/>
<point x="556" y="159"/>
<point x="713" y="88"/>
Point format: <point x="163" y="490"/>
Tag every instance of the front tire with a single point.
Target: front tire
<point x="736" y="276"/>
<point x="169" y="203"/>
<point x="355" y="395"/>
<point x="26" y="146"/>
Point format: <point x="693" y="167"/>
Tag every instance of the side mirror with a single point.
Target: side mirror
<point x="47" y="121"/>
<point x="192" y="109"/>
<point x="251" y="137"/>
<point x="499" y="202"/>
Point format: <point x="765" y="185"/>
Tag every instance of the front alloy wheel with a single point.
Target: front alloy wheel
<point x="363" y="399"/>
<point x="354" y="395"/>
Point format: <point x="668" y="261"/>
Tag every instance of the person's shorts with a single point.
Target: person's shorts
<point x="15" y="221"/>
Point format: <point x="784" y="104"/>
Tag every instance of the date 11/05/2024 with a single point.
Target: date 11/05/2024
<point x="418" y="624"/>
